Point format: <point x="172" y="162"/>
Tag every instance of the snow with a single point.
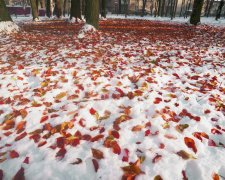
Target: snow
<point x="8" y="27"/>
<point x="94" y="79"/>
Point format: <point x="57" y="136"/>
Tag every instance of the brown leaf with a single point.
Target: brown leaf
<point x="115" y="148"/>
<point x="114" y="133"/>
<point x="96" y="138"/>
<point x="60" y="95"/>
<point x="77" y="162"/>
<point x="19" y="175"/>
<point x="137" y="128"/>
<point x="95" y="163"/>
<point x="185" y="155"/>
<point x="156" y="158"/>
<point x="13" y="154"/>
<point x="158" y="177"/>
<point x="97" y="153"/>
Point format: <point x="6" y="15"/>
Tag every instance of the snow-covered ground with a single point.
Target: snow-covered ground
<point x="141" y="99"/>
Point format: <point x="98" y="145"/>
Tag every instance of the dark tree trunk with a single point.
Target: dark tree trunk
<point x="143" y="8"/>
<point x="171" y="9"/>
<point x="48" y="9"/>
<point x="159" y="7"/>
<point x="120" y="12"/>
<point x="58" y="10"/>
<point x="4" y="15"/>
<point x="75" y="9"/>
<point x="206" y="7"/>
<point x="103" y="13"/>
<point x="34" y="9"/>
<point x="168" y="7"/>
<point x="151" y="8"/>
<point x="175" y="8"/>
<point x="218" y="14"/>
<point x="182" y="7"/>
<point x="64" y="7"/>
<point x="92" y="12"/>
<point x="37" y="5"/>
<point x="41" y="3"/>
<point x="196" y="12"/>
<point x="210" y="7"/>
<point x="126" y="7"/>
<point x="163" y="7"/>
<point x="83" y="7"/>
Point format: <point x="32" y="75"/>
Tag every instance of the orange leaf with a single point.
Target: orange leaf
<point x="97" y="153"/>
<point x="19" y="175"/>
<point x="137" y="128"/>
<point x="114" y="133"/>
<point x="128" y="177"/>
<point x="21" y="125"/>
<point x="60" y="95"/>
<point x="13" y="154"/>
<point x="95" y="163"/>
<point x="23" y="113"/>
<point x="216" y="177"/>
<point x="42" y="143"/>
<point x="190" y="143"/>
<point x="115" y="148"/>
<point x="169" y="137"/>
<point x="96" y="138"/>
<point x="44" y="118"/>
<point x="20" y="136"/>
<point x="20" y="66"/>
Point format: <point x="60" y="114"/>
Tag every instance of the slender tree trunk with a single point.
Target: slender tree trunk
<point x="167" y="7"/>
<point x="103" y="13"/>
<point x="34" y="10"/>
<point x="41" y="4"/>
<point x="206" y="7"/>
<point x="218" y="14"/>
<point x="120" y="12"/>
<point x="175" y="8"/>
<point x="37" y="5"/>
<point x="125" y="8"/>
<point x="75" y="9"/>
<point x="92" y="12"/>
<point x="196" y="12"/>
<point x="210" y="7"/>
<point x="182" y="7"/>
<point x="48" y="9"/>
<point x="159" y="7"/>
<point x="156" y="9"/>
<point x="58" y="10"/>
<point x="64" y="7"/>
<point x="143" y="8"/>
<point x="171" y="9"/>
<point x="83" y="7"/>
<point x="163" y="7"/>
<point x="151" y="8"/>
<point x="4" y="15"/>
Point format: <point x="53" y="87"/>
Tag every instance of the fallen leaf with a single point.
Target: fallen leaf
<point x="190" y="143"/>
<point x="97" y="153"/>
<point x="96" y="138"/>
<point x="19" y="175"/>
<point x="114" y="133"/>
<point x="95" y="163"/>
<point x="137" y="128"/>
<point x="13" y="154"/>
<point x="60" y="95"/>
<point x="156" y="158"/>
<point x="185" y="155"/>
<point x="77" y="162"/>
<point x="44" y="118"/>
<point x="60" y="154"/>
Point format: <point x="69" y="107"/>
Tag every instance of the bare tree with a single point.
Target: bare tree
<point x="218" y="14"/>
<point x="4" y="15"/>
<point x="34" y="10"/>
<point x="103" y="12"/>
<point x="143" y="8"/>
<point x="75" y="9"/>
<point x="92" y="12"/>
<point x="196" y="12"/>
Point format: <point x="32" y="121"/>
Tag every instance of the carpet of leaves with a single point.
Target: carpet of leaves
<point x="51" y="82"/>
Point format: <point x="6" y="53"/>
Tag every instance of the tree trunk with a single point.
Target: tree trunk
<point x="58" y="11"/>
<point x="48" y="9"/>
<point x="210" y="7"/>
<point x="218" y="14"/>
<point x="4" y="15"/>
<point x="83" y="7"/>
<point x="126" y="8"/>
<point x="196" y="12"/>
<point x="175" y="8"/>
<point x="103" y="13"/>
<point x="163" y="7"/>
<point x="171" y="9"/>
<point x="206" y="7"/>
<point x="37" y="5"/>
<point x="182" y="7"/>
<point x="168" y="6"/>
<point x="92" y="13"/>
<point x="159" y="7"/>
<point x="64" y="8"/>
<point x="34" y="10"/>
<point x="120" y="12"/>
<point x="143" y="8"/>
<point x="151" y="8"/>
<point x="75" y="9"/>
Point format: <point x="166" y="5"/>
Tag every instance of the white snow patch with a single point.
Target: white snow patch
<point x="8" y="27"/>
<point x="86" y="28"/>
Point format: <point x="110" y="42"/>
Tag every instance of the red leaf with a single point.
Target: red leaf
<point x="128" y="177"/>
<point x="190" y="143"/>
<point x="75" y="142"/>
<point x="20" y="136"/>
<point x="42" y="143"/>
<point x="26" y="160"/>
<point x="184" y="175"/>
<point x="115" y="148"/>
<point x="1" y="174"/>
<point x="125" y="159"/>
<point x="162" y="146"/>
<point x="197" y="118"/>
<point x="81" y="122"/>
<point x="147" y="132"/>
<point x="60" y="154"/>
<point x="20" y="66"/>
<point x="216" y="177"/>
<point x="44" y="118"/>
<point x="92" y="111"/>
<point x="197" y="135"/>
<point x="211" y="143"/>
<point x="169" y="137"/>
<point x="13" y="154"/>
<point x="215" y="131"/>
<point x="96" y="138"/>
<point x="156" y="158"/>
<point x="86" y="137"/>
<point x="35" y="137"/>
<point x="60" y="142"/>
<point x="95" y="163"/>
<point x="176" y="75"/>
<point x="19" y="175"/>
<point x="157" y="100"/>
<point x="21" y="125"/>
<point x="114" y="133"/>
<point x="101" y="130"/>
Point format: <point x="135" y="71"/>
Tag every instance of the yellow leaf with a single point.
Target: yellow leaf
<point x="60" y="95"/>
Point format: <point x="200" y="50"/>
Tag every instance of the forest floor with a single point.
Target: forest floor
<point x="136" y="99"/>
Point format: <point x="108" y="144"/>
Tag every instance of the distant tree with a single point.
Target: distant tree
<point x="92" y="12"/>
<point x="196" y="12"/>
<point x="143" y="8"/>
<point x="34" y="10"/>
<point x="58" y="9"/>
<point x="48" y="8"/>
<point x="75" y="9"/>
<point x="64" y="7"/>
<point x="4" y="15"/>
<point x="163" y="7"/>
<point x="218" y="14"/>
<point x="103" y="12"/>
<point x="159" y="7"/>
<point x="120" y="9"/>
<point x="210" y="7"/>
